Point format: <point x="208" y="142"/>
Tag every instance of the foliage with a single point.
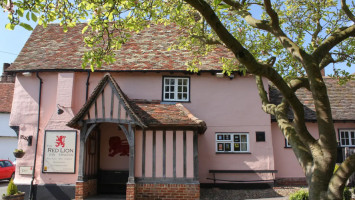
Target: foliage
<point x="346" y="194"/>
<point x="288" y="42"/>
<point x="299" y="195"/>
<point x="19" y="151"/>
<point x="11" y="188"/>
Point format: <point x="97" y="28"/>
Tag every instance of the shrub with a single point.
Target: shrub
<point x="11" y="188"/>
<point x="346" y="194"/>
<point x="299" y="195"/>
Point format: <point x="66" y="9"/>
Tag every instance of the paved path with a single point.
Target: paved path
<point x="3" y="187"/>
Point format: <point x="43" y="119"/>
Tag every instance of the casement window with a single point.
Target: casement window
<point x="176" y="89"/>
<point x="347" y="137"/>
<point x="232" y="142"/>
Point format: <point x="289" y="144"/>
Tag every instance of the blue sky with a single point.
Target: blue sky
<point x="11" y="42"/>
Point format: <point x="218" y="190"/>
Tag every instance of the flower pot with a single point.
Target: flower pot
<point x="14" y="197"/>
<point x="19" y="154"/>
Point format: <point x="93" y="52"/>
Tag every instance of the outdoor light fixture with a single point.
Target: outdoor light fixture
<point x="27" y="74"/>
<point x="60" y="110"/>
<point x="28" y="139"/>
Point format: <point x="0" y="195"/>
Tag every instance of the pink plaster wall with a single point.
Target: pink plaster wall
<point x="285" y="160"/>
<point x="225" y="105"/>
<point x="116" y="162"/>
<point x="25" y="113"/>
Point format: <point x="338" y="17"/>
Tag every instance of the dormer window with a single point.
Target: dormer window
<point x="176" y="89"/>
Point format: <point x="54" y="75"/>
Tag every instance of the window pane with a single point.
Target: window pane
<point x="185" y="81"/>
<point x="227" y="147"/>
<point x="243" y="138"/>
<point x="179" y="88"/>
<point x="166" y="88"/>
<point x="179" y="96"/>
<point x="185" y="89"/>
<point x="236" y="147"/>
<point x="166" y="95"/>
<point x="172" y="96"/>
<point x="236" y="138"/>
<point x="172" y="81"/>
<point x="244" y="147"/>
<point x="179" y="81"/>
<point x="166" y="81"/>
<point x="172" y="88"/>
<point x="185" y="96"/>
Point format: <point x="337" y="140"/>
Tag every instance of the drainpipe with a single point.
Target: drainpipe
<point x="87" y="87"/>
<point x="39" y="117"/>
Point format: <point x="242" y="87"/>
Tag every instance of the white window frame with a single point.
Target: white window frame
<point x="350" y="137"/>
<point x="224" y="139"/>
<point x="175" y="91"/>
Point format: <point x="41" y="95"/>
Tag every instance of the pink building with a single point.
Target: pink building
<point x="144" y="126"/>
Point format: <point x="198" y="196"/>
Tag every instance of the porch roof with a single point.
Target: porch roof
<point x="147" y="114"/>
<point x="6" y="95"/>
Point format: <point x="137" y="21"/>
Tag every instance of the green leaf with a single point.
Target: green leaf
<point x="20" y="12"/>
<point x="84" y="29"/>
<point x="10" y="26"/>
<point x="34" y="17"/>
<point x="28" y="16"/>
<point x="26" y="26"/>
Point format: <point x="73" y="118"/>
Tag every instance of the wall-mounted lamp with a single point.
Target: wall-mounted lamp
<point x="28" y="139"/>
<point x="60" y="110"/>
<point x="27" y="74"/>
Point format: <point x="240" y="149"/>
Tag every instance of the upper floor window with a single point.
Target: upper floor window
<point x="347" y="137"/>
<point x="232" y="142"/>
<point x="176" y="89"/>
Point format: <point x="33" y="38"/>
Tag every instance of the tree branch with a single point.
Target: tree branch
<point x="339" y="178"/>
<point x="338" y="36"/>
<point x="288" y="130"/>
<point x="256" y="23"/>
<point x="206" y="40"/>
<point x="347" y="11"/>
<point x="274" y="16"/>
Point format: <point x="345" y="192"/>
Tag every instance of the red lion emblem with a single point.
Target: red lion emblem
<point x="60" y="141"/>
<point x="118" y="146"/>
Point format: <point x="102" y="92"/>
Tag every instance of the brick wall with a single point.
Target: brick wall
<point x="167" y="191"/>
<point x="291" y="182"/>
<point x="85" y="189"/>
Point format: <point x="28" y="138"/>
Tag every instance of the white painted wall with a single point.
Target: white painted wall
<point x="8" y="138"/>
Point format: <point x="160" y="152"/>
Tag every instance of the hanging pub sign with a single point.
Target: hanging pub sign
<point x="59" y="152"/>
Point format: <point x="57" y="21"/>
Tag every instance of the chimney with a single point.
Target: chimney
<point x="7" y="76"/>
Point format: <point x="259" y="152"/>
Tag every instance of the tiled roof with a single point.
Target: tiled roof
<point x="148" y="114"/>
<point x="156" y="114"/>
<point x="52" y="49"/>
<point x="6" y="95"/>
<point x="341" y="97"/>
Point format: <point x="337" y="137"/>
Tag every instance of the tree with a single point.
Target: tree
<point x="290" y="43"/>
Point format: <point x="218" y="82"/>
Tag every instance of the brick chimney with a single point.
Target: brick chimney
<point x="7" y="77"/>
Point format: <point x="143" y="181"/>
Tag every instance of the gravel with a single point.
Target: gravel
<point x="236" y="194"/>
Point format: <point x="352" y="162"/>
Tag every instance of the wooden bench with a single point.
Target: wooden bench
<point x="214" y="172"/>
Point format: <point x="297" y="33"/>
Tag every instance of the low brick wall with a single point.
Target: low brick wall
<point x="166" y="191"/>
<point x="291" y="182"/>
<point x="85" y="189"/>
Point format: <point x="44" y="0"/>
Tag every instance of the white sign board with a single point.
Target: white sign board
<point x="26" y="170"/>
<point x="59" y="152"/>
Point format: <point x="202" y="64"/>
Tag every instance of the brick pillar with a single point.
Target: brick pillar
<point x="131" y="191"/>
<point x="79" y="191"/>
